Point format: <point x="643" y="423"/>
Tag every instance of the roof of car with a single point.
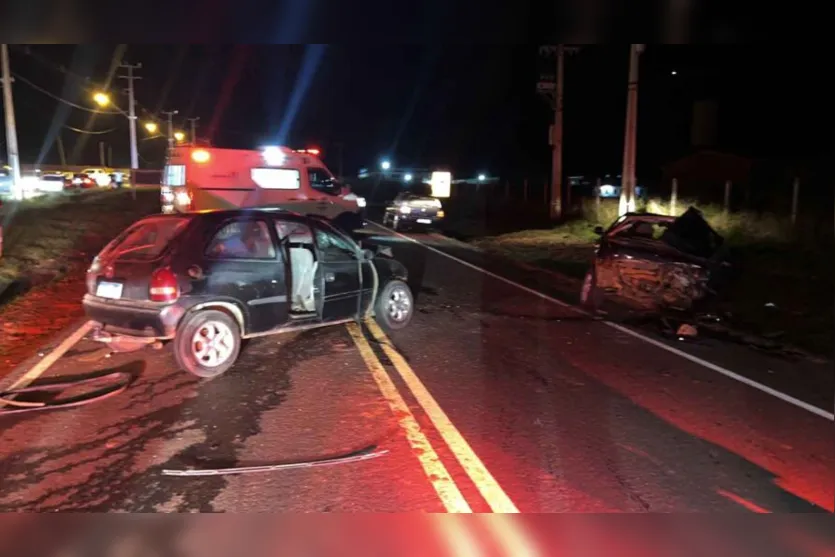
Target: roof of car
<point x="231" y="213"/>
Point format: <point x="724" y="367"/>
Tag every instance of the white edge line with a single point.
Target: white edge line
<point x="695" y="359"/>
<point x="49" y="360"/>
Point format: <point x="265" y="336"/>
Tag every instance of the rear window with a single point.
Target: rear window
<point x="175" y="175"/>
<point x="145" y="240"/>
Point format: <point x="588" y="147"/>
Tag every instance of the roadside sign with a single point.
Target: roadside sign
<point x="441" y="182"/>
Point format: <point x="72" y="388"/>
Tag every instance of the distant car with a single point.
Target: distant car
<point x="81" y="180"/>
<point x="414" y="208"/>
<point x="101" y="176"/>
<point x="5" y="181"/>
<point x="654" y="262"/>
<point x="52" y="182"/>
<point x="207" y="280"/>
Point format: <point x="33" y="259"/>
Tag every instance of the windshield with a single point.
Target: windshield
<point x="323" y="181"/>
<point x="146" y="240"/>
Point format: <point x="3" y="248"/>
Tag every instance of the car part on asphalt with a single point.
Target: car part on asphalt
<point x="367" y="453"/>
<point x="110" y="384"/>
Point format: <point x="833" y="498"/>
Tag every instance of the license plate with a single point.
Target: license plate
<point x="424" y="221"/>
<point x="109" y="290"/>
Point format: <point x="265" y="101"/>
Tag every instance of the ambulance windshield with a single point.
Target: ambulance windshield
<point x="322" y="180"/>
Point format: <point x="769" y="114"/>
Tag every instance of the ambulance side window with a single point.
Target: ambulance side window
<point x="321" y="180"/>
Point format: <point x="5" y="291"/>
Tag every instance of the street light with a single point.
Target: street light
<point x="407" y="177"/>
<point x="179" y="136"/>
<point x="481" y="177"/>
<point x="102" y="99"/>
<point x="385" y="165"/>
<point x="151" y="127"/>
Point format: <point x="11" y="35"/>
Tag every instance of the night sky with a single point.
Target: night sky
<point x="474" y="108"/>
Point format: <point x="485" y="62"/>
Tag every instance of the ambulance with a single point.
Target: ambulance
<point x="199" y="178"/>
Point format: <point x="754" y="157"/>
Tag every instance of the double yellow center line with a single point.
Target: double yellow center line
<point x="435" y="470"/>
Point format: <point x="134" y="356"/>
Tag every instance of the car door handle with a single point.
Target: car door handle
<point x="330" y="277"/>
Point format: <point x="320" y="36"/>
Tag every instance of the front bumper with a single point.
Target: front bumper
<point x="420" y="218"/>
<point x="134" y="318"/>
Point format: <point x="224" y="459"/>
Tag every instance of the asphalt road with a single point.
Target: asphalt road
<point x="497" y="398"/>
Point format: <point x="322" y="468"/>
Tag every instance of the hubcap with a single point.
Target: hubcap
<point x="399" y="305"/>
<point x="212" y="344"/>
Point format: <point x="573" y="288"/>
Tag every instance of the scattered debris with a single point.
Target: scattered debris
<point x="685" y="330"/>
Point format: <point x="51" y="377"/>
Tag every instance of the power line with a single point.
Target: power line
<point x="150" y="114"/>
<point x="60" y="99"/>
<point x="78" y="130"/>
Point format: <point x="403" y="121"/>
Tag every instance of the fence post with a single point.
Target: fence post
<point x="525" y="190"/>
<point x="597" y="200"/>
<point x="727" y="206"/>
<point x="674" y="197"/>
<point x="795" y="197"/>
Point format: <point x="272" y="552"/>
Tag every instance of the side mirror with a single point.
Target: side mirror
<point x="598" y="230"/>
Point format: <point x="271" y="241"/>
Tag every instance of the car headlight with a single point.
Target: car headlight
<point x="360" y="202"/>
<point x="405" y="209"/>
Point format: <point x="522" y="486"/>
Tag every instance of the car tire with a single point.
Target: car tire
<point x="589" y="293"/>
<point x="193" y="348"/>
<point x="394" y="306"/>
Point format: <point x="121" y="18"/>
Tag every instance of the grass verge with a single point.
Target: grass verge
<point x="43" y="237"/>
<point x="784" y="275"/>
<point x="48" y="244"/>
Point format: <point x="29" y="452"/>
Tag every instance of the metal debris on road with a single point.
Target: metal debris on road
<point x="353" y="457"/>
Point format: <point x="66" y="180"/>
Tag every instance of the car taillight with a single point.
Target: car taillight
<point x="92" y="275"/>
<point x="164" y="287"/>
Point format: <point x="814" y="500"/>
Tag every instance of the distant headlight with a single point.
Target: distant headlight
<point x="183" y="198"/>
<point x="405" y="209"/>
<point x="607" y="190"/>
<point x="360" y="202"/>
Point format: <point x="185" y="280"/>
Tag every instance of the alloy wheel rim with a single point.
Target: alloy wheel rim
<point x="212" y="344"/>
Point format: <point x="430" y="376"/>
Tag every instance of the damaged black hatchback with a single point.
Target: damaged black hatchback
<point x="653" y="262"/>
<point x="205" y="281"/>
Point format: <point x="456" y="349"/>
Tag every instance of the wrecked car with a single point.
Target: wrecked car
<point x="653" y="262"/>
<point x="206" y="281"/>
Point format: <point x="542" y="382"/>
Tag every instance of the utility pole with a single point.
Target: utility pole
<point x="627" y="183"/>
<point x="556" y="154"/>
<point x="170" y="114"/>
<point x="11" y="129"/>
<point x="193" y="122"/>
<point x="134" y="152"/>
<point x="339" y="145"/>
<point x="61" y="154"/>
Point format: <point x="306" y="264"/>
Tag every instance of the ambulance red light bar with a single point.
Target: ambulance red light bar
<point x="313" y="151"/>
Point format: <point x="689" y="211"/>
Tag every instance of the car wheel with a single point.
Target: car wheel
<point x="207" y="343"/>
<point x="589" y="293"/>
<point x="395" y="305"/>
